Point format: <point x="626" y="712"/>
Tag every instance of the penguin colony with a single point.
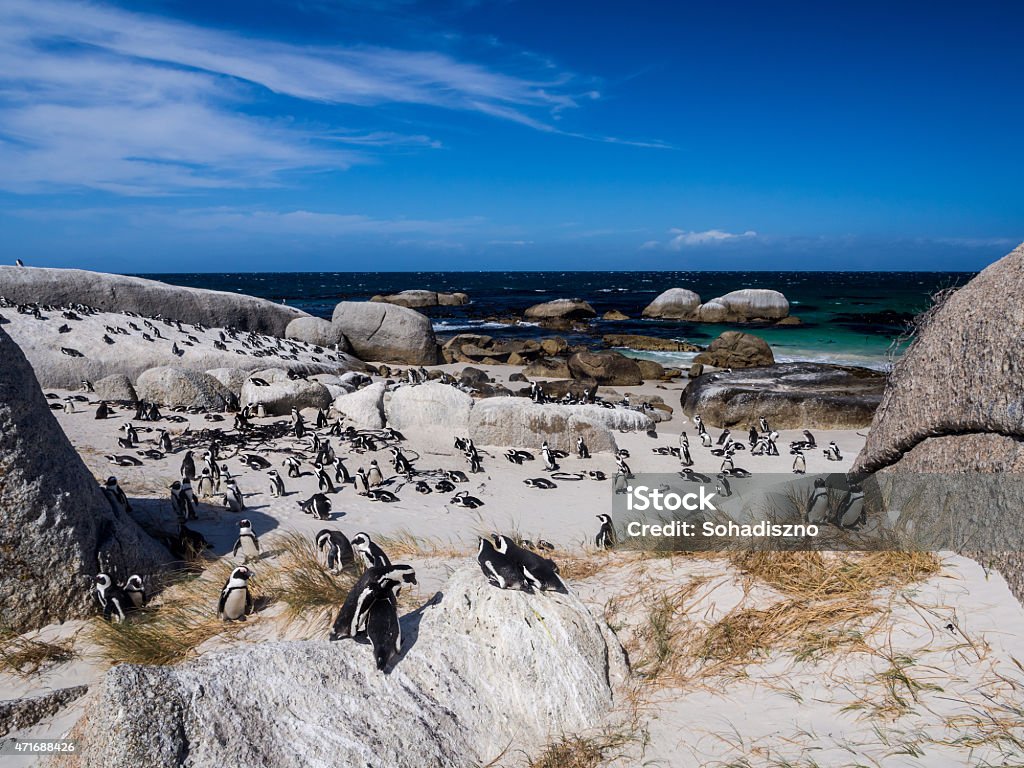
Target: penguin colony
<point x="331" y="452"/>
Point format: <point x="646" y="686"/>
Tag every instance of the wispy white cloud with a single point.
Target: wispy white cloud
<point x="93" y="96"/>
<point x="682" y="238"/>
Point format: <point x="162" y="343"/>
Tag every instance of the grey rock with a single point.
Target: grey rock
<point x="789" y="395"/>
<point x="429" y="414"/>
<point x="749" y="304"/>
<point x="183" y="388"/>
<point x="25" y="712"/>
<point x="318" y="332"/>
<point x="117" y="388"/>
<point x="55" y="522"/>
<point x="363" y="408"/>
<point x="484" y="670"/>
<point x="118" y="293"/>
<point x="561" y="309"/>
<point x="673" y="304"/>
<point x="231" y="378"/>
<point x="609" y="368"/>
<point x="279" y="396"/>
<point x="735" y="349"/>
<point x="549" y="367"/>
<point x="387" y="333"/>
<point x="518" y="422"/>
<point x="415" y="299"/>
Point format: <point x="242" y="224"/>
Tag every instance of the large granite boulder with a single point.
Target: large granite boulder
<point x="789" y="395"/>
<point x="609" y="368"/>
<point x="735" y="349"/>
<point x="318" y="332"/>
<point x="747" y="305"/>
<point x="56" y="525"/>
<point x="483" y="671"/>
<point x="431" y="414"/>
<point x="561" y="309"/>
<point x="183" y="388"/>
<point x="416" y="298"/>
<point x="518" y="422"/>
<point x="549" y="367"/>
<point x="364" y="408"/>
<point x="119" y="293"/>
<point x="280" y="396"/>
<point x="953" y="408"/>
<point x="387" y="333"/>
<point x="673" y="304"/>
<point x="231" y="378"/>
<point x="106" y="344"/>
<point x="116" y="388"/>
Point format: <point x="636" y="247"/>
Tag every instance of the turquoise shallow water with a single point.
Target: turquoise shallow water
<point x="848" y="317"/>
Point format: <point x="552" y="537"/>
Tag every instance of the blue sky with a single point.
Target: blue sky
<point x="392" y="134"/>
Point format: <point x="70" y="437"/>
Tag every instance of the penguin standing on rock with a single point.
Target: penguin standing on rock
<point x="114" y="603"/>
<point x="376" y="582"/>
<point x="115" y="495"/>
<point x="136" y="591"/>
<point x="247" y="542"/>
<point x="541" y="572"/>
<point x="235" y="600"/>
<point x="383" y="628"/>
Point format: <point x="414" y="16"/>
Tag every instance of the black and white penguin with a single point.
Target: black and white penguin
<point x="444" y="486"/>
<point x="582" y="451"/>
<point x="723" y="437"/>
<point x="809" y="437"/>
<point x="164" y="441"/>
<point x="102" y="410"/>
<point x="136" y="591"/>
<point x="422" y="486"/>
<point x="699" y="424"/>
<point x="235" y="601"/>
<point x="539" y="482"/>
<point x="293" y="465"/>
<point x="817" y="505"/>
<point x="622" y="467"/>
<point x="317" y="505"/>
<point x="131" y="434"/>
<point x="361" y="482"/>
<point x="605" y="538"/>
<point x="341" y="475"/>
<point x="463" y="499"/>
<point x="323" y="480"/>
<point x="233" y="499"/>
<point x="247" y="542"/>
<point x="455" y="476"/>
<point x="298" y="424"/>
<point x="189" y="502"/>
<point x="114" y="603"/>
<point x="799" y="464"/>
<point x="705" y="439"/>
<point x="501" y="571"/>
<point x="205" y="487"/>
<point x="336" y="550"/>
<point x="473" y="457"/>
<point x="276" y="484"/>
<point x="518" y="456"/>
<point x="763" y="423"/>
<point x="115" y="495"/>
<point x="549" y="459"/>
<point x="188" y="467"/>
<point x="373" y="556"/>
<point x="401" y="463"/>
<point x="379" y="494"/>
<point x="541" y="572"/>
<point x="832" y="453"/>
<point x="375" y="582"/>
<point x="383" y="628"/>
<point x="851" y="510"/>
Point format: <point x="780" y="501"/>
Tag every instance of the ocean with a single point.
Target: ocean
<point x="852" y="318"/>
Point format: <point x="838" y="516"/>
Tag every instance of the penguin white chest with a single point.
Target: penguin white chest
<point x="234" y="606"/>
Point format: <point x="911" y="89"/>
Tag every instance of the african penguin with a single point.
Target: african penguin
<point x="235" y="601"/>
<point x="247" y="542"/>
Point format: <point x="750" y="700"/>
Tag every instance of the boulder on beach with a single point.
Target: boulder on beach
<point x="650" y="370"/>
<point x="647" y="343"/>
<point x="549" y="367"/>
<point x="116" y="388"/>
<point x="57" y="528"/>
<point x="318" y="332"/>
<point x="606" y="368"/>
<point x="415" y="299"/>
<point x="614" y="314"/>
<point x="387" y="333"/>
<point x="735" y="349"/>
<point x="483" y="671"/>
<point x="486" y="350"/>
<point x="518" y="422"/>
<point x="183" y="388"/>
<point x="431" y="414"/>
<point x="561" y="309"/>
<point x="120" y="293"/>
<point x="673" y="304"/>
<point x="231" y="378"/>
<point x="280" y="396"/>
<point x="789" y="395"/>
<point x="747" y="305"/>
<point x="952" y="409"/>
<point x="363" y="408"/>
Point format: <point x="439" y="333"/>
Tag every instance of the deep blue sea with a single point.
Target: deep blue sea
<point x="848" y="317"/>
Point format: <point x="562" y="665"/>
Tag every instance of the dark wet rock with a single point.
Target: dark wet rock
<point x="605" y="368"/>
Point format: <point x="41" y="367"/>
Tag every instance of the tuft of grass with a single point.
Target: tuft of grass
<point x="305" y="586"/>
<point x="406" y="544"/>
<point x="23" y="656"/>
<point x="185" y="617"/>
<point x="589" y="751"/>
